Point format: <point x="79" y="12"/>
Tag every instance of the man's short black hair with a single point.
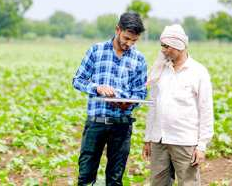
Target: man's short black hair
<point x="132" y="22"/>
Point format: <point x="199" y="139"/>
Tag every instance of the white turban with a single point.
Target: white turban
<point x="175" y="37"/>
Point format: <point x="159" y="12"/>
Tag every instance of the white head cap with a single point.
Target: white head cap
<point x="175" y="37"/>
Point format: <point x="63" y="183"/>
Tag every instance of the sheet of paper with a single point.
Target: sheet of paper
<point x="122" y="100"/>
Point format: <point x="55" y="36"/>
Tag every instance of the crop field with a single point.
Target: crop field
<point x="42" y="116"/>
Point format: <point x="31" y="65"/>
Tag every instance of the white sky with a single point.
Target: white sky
<point x="90" y="9"/>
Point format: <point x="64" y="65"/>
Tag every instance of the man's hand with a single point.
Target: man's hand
<point x="198" y="157"/>
<point x="105" y="90"/>
<point x="146" y="151"/>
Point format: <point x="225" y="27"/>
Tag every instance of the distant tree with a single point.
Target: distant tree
<point x="142" y="8"/>
<point x="79" y="27"/>
<point x="219" y="26"/>
<point x="89" y="30"/>
<point x="227" y="3"/>
<point x="194" y="28"/>
<point x="11" y="15"/>
<point x="39" y="28"/>
<point x="62" y="24"/>
<point x="156" y="26"/>
<point x="106" y="25"/>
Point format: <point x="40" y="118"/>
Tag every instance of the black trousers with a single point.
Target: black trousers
<point x="95" y="136"/>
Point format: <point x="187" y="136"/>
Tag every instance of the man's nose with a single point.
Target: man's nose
<point x="163" y="49"/>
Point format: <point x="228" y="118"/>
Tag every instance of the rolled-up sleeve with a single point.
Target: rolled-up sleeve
<point x="83" y="78"/>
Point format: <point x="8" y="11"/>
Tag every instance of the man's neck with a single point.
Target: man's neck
<point x="178" y="63"/>
<point x="117" y="48"/>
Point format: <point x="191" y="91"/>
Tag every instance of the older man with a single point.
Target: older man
<point x="180" y="124"/>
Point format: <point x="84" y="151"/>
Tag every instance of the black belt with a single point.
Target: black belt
<point x="111" y="120"/>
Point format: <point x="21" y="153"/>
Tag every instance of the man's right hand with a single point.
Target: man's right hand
<point x="146" y="151"/>
<point x="105" y="90"/>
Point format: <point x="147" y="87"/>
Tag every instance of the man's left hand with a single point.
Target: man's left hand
<point x="198" y="157"/>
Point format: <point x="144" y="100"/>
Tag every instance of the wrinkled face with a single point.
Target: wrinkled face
<point x="170" y="52"/>
<point x="125" y="39"/>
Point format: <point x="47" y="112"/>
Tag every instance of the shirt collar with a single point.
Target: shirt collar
<point x="186" y="64"/>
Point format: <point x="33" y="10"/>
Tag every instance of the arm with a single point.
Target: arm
<point x="205" y="107"/>
<point x="82" y="80"/>
<point x="149" y="125"/>
<point x="150" y="116"/>
<point x="139" y="90"/>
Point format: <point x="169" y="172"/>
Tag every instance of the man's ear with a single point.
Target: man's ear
<point x="117" y="30"/>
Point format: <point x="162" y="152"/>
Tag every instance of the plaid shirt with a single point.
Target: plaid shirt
<point x="101" y="66"/>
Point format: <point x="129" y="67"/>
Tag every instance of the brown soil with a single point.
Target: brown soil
<point x="218" y="171"/>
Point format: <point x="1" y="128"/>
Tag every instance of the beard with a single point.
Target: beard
<point x="122" y="45"/>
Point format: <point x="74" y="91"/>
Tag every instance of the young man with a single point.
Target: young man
<point x="111" y="69"/>
<point x="180" y="124"/>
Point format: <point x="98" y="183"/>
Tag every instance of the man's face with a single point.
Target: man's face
<point x="170" y="52"/>
<point x="125" y="39"/>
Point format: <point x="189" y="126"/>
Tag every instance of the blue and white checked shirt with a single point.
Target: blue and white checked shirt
<point x="101" y="66"/>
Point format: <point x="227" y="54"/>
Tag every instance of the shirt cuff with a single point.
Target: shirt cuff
<point x="201" y="146"/>
<point x="92" y="88"/>
<point x="147" y="138"/>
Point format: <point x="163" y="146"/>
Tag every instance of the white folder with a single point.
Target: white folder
<point x="123" y="100"/>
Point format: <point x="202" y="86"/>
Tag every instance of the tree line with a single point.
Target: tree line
<point x="62" y="24"/>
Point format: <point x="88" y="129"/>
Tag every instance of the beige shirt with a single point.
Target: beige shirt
<point x="183" y="110"/>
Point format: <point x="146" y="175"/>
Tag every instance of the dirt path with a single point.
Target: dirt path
<point x="217" y="171"/>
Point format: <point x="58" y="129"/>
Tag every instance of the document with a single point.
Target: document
<point x="123" y="100"/>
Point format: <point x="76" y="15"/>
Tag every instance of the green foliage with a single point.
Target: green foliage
<point x="194" y="28"/>
<point x="11" y="14"/>
<point x="106" y="25"/>
<point x="226" y="3"/>
<point x="89" y="30"/>
<point x="42" y="116"/>
<point x="31" y="182"/>
<point x="220" y="26"/>
<point x="62" y="24"/>
<point x="4" y="180"/>
<point x="141" y="7"/>
<point x="155" y="27"/>
<point x="39" y="28"/>
<point x="220" y="183"/>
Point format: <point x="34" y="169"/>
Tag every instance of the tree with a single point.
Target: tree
<point x="39" y="28"/>
<point x="142" y="8"/>
<point x="62" y="24"/>
<point x="155" y="27"/>
<point x="226" y="3"/>
<point x="11" y="15"/>
<point x="194" y="28"/>
<point x="220" y="26"/>
<point x="89" y="30"/>
<point x="106" y="25"/>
